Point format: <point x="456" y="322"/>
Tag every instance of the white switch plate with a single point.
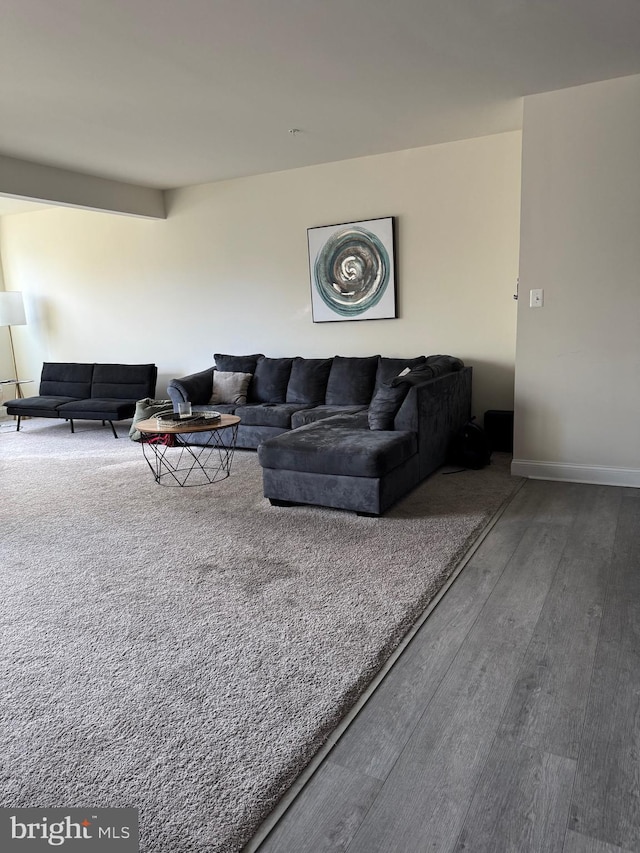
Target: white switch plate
<point x="536" y="298"/>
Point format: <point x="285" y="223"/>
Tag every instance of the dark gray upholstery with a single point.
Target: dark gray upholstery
<point x="197" y="387"/>
<point x="436" y="409"/>
<point x="98" y="409"/>
<point x="450" y="360"/>
<point x="236" y="363"/>
<point x="75" y="390"/>
<point x="339" y="446"/>
<point x="319" y="413"/>
<point x="308" y="380"/>
<point x="66" y="379"/>
<point x="37" y="407"/>
<point x="436" y="366"/>
<point x="351" y="381"/>
<point x="122" y="381"/>
<point x="364" y="495"/>
<point x="389" y="368"/>
<point x="386" y="405"/>
<point x="362" y="453"/>
<point x="270" y="380"/>
<point x="268" y="414"/>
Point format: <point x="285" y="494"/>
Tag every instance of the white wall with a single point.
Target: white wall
<point x="228" y="270"/>
<point x="578" y="358"/>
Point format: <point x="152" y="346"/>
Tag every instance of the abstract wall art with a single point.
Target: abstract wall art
<point x="352" y="270"/>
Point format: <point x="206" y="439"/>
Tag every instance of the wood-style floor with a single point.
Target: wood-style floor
<point x="511" y="722"/>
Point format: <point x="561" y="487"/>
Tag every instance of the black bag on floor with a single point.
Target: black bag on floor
<point x="470" y="447"/>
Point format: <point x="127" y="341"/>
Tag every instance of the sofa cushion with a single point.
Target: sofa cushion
<point x="236" y="363"/>
<point x="270" y="380"/>
<point x="319" y="413"/>
<point x="43" y="406"/>
<point x="222" y="408"/>
<point x="388" y="368"/>
<point x="230" y="387"/>
<point x="386" y="405"/>
<point x="66" y="379"/>
<point x="449" y="362"/>
<point x="333" y="447"/>
<point x="308" y="380"/>
<point x="123" y="381"/>
<point x="96" y="409"/>
<point x="351" y="381"/>
<point x="437" y="366"/>
<point x="268" y="414"/>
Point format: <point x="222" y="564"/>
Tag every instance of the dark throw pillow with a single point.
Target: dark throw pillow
<point x="386" y="405"/>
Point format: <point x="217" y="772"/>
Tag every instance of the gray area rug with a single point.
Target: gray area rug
<point x="187" y="651"/>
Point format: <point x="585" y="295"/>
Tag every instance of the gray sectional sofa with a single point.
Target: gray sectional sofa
<point x="348" y="433"/>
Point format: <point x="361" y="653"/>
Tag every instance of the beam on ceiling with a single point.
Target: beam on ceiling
<point x="36" y="182"/>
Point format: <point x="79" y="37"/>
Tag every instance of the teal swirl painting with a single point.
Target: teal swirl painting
<point x="352" y="271"/>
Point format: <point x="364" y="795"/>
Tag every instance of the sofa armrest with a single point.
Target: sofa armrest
<point x="436" y="409"/>
<point x="197" y="387"/>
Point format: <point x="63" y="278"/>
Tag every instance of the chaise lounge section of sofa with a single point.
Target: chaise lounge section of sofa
<point x="348" y="433"/>
<point x="85" y="391"/>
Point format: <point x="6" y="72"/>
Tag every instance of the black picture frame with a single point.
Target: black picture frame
<point x="352" y="270"/>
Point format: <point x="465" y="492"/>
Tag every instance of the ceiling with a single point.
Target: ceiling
<point x="163" y="93"/>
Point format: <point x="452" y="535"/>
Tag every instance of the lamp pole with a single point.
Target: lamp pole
<point x="12" y="314"/>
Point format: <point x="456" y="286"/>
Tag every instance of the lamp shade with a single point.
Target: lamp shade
<point x="12" y="308"/>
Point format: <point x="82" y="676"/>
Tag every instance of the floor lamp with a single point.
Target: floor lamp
<point x="12" y="314"/>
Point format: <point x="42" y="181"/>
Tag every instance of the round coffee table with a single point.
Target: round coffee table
<point x="175" y="462"/>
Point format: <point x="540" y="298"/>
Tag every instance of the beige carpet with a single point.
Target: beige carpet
<point x="186" y="651"/>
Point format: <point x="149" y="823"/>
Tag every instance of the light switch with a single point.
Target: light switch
<point x="536" y="298"/>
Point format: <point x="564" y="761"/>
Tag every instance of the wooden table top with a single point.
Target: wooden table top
<point x="151" y="425"/>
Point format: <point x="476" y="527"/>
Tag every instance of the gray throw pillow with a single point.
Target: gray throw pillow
<point x="386" y="405"/>
<point x="230" y="387"/>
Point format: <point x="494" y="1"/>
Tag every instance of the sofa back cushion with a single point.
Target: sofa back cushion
<point x="308" y="380"/>
<point x="389" y="368"/>
<point x="270" y="380"/>
<point x="351" y="381"/>
<point x="124" y="381"/>
<point x="445" y="363"/>
<point x="433" y="366"/>
<point x="66" y="379"/>
<point x="236" y="363"/>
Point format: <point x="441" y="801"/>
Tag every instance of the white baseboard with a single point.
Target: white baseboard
<point x="598" y="475"/>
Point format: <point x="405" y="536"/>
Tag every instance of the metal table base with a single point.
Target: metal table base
<point x="192" y="464"/>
